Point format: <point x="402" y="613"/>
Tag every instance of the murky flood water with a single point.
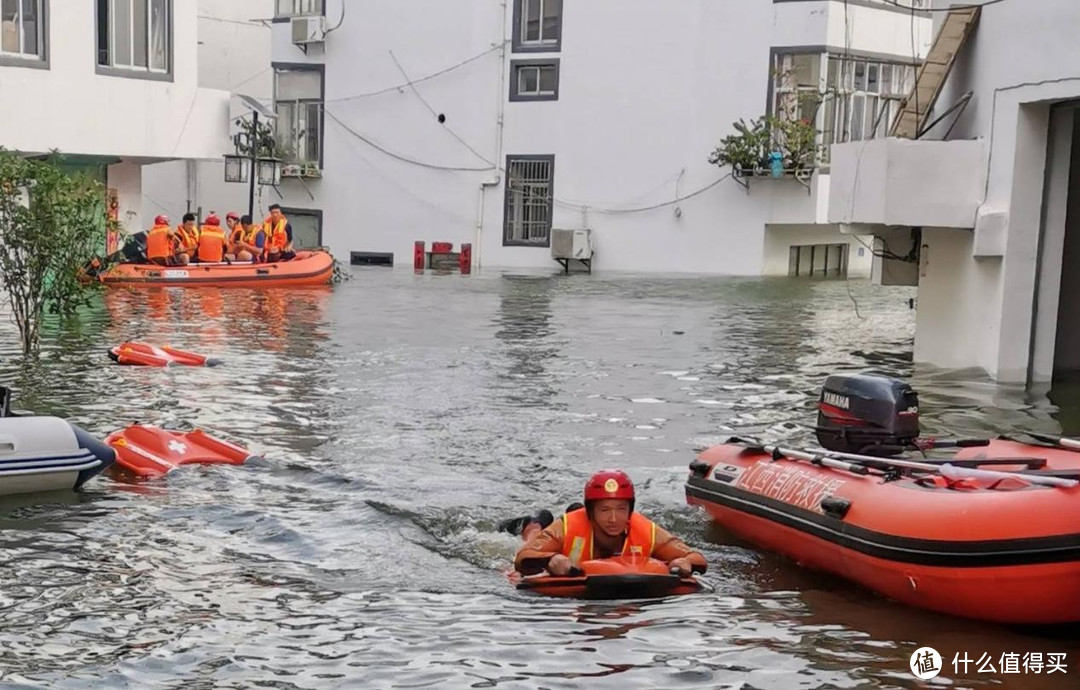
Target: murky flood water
<point x="402" y="417"/>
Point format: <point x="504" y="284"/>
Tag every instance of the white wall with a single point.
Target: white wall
<point x="623" y="136"/>
<point x="233" y="55"/>
<point x="70" y="107"/>
<point x="958" y="318"/>
<point x="883" y="30"/>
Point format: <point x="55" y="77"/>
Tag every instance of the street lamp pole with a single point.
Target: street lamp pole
<point x="254" y="155"/>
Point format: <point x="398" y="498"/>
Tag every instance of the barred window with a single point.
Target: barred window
<point x="529" y="185"/>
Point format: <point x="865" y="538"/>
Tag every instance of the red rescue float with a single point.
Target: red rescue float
<point x="622" y="577"/>
<point x="144" y="354"/>
<point x="147" y="451"/>
<point x="991" y="532"/>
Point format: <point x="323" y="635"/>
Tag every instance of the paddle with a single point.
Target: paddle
<point x="1060" y="442"/>
<point x="819" y="456"/>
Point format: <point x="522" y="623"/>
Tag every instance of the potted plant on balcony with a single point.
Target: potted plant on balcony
<point x="747" y="150"/>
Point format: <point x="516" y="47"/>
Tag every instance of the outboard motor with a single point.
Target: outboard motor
<point x="867" y="414"/>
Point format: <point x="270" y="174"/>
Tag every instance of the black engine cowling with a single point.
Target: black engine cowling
<point x="867" y="414"/>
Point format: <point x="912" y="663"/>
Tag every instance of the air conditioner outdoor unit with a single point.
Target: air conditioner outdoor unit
<point x="571" y="244"/>
<point x="308" y="29"/>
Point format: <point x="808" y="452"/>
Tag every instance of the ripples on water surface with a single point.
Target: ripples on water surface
<point x="402" y="417"/>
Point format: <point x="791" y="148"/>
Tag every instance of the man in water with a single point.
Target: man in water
<point x="604" y="527"/>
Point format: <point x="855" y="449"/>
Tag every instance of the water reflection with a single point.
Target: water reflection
<point x="524" y="327"/>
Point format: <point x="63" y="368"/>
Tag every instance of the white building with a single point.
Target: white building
<point x="234" y="56"/>
<point x="407" y="117"/>
<point x="991" y="191"/>
<point x="113" y="84"/>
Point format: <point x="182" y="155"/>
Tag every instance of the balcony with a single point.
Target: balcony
<point x="910" y="183"/>
<point x="298" y="137"/>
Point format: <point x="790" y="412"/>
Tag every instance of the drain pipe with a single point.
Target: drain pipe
<point x="499" y="119"/>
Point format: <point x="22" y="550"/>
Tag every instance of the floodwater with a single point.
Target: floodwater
<point x="401" y="418"/>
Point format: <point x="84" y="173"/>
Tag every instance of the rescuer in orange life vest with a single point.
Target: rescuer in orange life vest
<point x="279" y="240"/>
<point x="212" y="240"/>
<point x="159" y="242"/>
<point x="606" y="526"/>
<point x="187" y="239"/>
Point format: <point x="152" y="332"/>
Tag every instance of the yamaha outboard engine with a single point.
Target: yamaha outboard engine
<point x="867" y="414"/>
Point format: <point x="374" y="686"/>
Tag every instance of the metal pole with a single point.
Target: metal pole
<point x="253" y="153"/>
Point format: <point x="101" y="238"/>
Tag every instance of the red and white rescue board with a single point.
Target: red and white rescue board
<point x="147" y="451"/>
<point x="144" y="354"/>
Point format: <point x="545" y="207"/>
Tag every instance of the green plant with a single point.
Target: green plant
<point x="746" y="149"/>
<point x="797" y="140"/>
<point x="265" y="145"/>
<point x="51" y="226"/>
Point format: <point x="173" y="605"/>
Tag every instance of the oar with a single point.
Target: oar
<point x="819" y="456"/>
<point x="1060" y="442"/>
<point x="754" y="444"/>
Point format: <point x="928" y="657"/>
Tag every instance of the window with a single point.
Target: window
<point x="298" y="101"/>
<point x="537" y="25"/>
<point x="306" y="227"/>
<point x="529" y="185"/>
<point x="818" y="259"/>
<point x="134" y="35"/>
<point x="534" y="80"/>
<point x="297" y="8"/>
<point x="21" y="33"/>
<point x="847" y="98"/>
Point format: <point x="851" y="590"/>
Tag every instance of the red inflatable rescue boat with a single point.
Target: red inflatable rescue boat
<point x="622" y="577"/>
<point x="147" y="451"/>
<point x="144" y="354"/>
<point x="990" y="532"/>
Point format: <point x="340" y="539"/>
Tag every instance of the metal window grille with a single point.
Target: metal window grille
<point x="528" y="203"/>
<point x="818" y="259"/>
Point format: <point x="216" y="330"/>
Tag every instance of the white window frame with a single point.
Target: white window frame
<point x="298" y="8"/>
<point x="834" y="117"/>
<point x="524" y="21"/>
<point x="313" y="108"/>
<point x="166" y="29"/>
<point x="20" y="29"/>
<point x="538" y="91"/>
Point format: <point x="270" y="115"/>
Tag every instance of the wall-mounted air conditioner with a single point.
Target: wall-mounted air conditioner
<point x="308" y="29"/>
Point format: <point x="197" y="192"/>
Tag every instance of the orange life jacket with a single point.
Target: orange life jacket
<point x="276" y="235"/>
<point x="211" y="243"/>
<point x="186" y="240"/>
<point x="578" y="536"/>
<point x="158" y="244"/>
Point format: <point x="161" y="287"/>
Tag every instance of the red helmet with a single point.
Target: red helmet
<point x="161" y="220"/>
<point x="213" y="220"/>
<point x="609" y="484"/>
<point x="232" y="215"/>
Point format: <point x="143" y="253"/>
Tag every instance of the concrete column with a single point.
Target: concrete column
<point x="126" y="178"/>
<point x="1052" y="245"/>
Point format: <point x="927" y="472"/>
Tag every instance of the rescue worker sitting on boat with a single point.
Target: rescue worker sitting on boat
<point x="279" y="237"/>
<point x="211" y="246"/>
<point x="159" y="242"/>
<point x="187" y="239"/>
<point x="606" y="526"/>
<point x="245" y="239"/>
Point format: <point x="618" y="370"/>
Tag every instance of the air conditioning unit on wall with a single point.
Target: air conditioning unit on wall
<point x="308" y="29"/>
<point x="572" y="245"/>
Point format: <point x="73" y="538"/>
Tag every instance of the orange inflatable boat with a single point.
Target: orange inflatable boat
<point x="990" y="531"/>
<point x="147" y="451"/>
<point x="153" y="356"/>
<point x="307" y="268"/>
<point x="622" y="577"/>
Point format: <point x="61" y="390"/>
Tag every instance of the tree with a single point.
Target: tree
<point x="52" y="225"/>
